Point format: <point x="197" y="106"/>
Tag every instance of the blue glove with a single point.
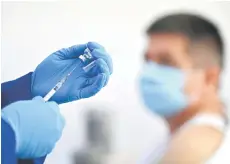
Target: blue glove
<point x="37" y="126"/>
<point x="80" y="84"/>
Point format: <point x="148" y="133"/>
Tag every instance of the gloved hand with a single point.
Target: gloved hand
<point x="80" y="84"/>
<point x="37" y="126"/>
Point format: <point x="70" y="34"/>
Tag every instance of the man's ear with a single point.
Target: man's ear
<point x="213" y="76"/>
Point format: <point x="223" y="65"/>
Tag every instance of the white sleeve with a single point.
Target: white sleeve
<point x="212" y="120"/>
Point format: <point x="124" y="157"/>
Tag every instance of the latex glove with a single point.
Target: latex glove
<point x="37" y="126"/>
<point x="80" y="84"/>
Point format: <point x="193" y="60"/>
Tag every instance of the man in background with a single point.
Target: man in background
<point x="180" y="82"/>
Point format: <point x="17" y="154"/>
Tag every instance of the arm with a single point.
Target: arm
<point x="12" y="91"/>
<point x="193" y="145"/>
<point x="8" y="146"/>
<point x="19" y="89"/>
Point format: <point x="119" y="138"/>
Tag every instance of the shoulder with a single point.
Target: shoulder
<point x="194" y="144"/>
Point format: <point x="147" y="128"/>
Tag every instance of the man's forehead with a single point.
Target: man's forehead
<point x="169" y="49"/>
<point x="167" y="42"/>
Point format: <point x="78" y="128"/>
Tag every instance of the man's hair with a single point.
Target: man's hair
<point x="194" y="27"/>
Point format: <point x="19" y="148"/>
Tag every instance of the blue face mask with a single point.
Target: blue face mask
<point x="162" y="89"/>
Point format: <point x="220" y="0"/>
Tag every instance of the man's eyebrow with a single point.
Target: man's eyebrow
<point x="167" y="57"/>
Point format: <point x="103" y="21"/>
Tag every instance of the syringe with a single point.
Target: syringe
<point x="85" y="57"/>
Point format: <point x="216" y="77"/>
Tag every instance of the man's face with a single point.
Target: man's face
<point x="173" y="50"/>
<point x="169" y="49"/>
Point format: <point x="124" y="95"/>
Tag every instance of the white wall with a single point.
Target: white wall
<point x="32" y="30"/>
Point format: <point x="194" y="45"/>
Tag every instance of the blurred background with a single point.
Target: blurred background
<point x="113" y="127"/>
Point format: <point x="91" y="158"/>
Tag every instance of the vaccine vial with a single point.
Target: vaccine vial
<point x="88" y="60"/>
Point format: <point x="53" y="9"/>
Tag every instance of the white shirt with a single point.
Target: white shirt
<point x="222" y="154"/>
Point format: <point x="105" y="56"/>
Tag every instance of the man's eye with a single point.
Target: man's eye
<point x="167" y="61"/>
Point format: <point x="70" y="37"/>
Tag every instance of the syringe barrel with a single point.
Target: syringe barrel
<point x="55" y="89"/>
<point x="49" y="95"/>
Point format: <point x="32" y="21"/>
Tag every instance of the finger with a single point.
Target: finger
<point x="93" y="45"/>
<point x="106" y="79"/>
<point x="59" y="130"/>
<point x="100" y="66"/>
<point x="101" y="54"/>
<point x="53" y="105"/>
<point x="104" y="70"/>
<point x="99" y="51"/>
<point x="39" y="98"/>
<point x="61" y="122"/>
<point x="71" y="52"/>
<point x="96" y="86"/>
<point x="49" y="149"/>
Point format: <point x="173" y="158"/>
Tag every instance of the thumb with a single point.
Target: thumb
<point x="95" y="87"/>
<point x="38" y="98"/>
<point x="94" y="45"/>
<point x="72" y="52"/>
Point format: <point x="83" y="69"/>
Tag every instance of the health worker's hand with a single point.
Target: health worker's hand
<point x="37" y="126"/>
<point x="80" y="84"/>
